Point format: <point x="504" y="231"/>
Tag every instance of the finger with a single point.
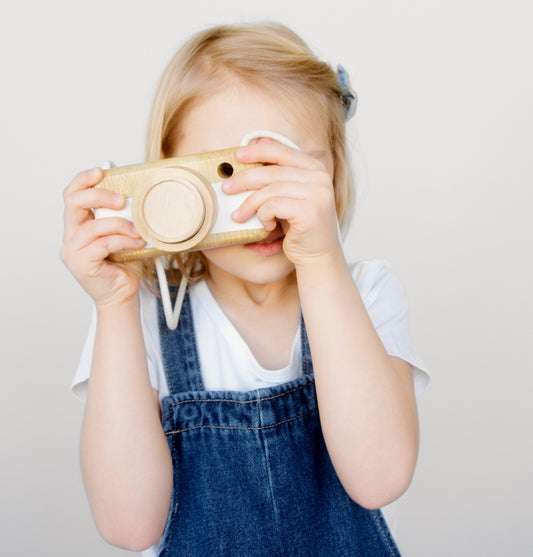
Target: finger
<point x="78" y="204"/>
<point x="83" y="257"/>
<point x="100" y="228"/>
<point x="283" y="155"/>
<point x="101" y="248"/>
<point x="278" y="209"/>
<point x="251" y="204"/>
<point x="84" y="180"/>
<point x="95" y="198"/>
<point x="302" y="216"/>
<point x="260" y="176"/>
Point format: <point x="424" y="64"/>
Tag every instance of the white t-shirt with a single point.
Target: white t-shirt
<point x="227" y="362"/>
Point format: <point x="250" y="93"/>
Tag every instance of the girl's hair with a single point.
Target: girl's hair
<point x="265" y="55"/>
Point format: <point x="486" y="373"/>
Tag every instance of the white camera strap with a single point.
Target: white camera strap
<point x="258" y="134"/>
<point x="172" y="314"/>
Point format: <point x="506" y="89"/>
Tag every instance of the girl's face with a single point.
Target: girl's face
<point x="220" y="121"/>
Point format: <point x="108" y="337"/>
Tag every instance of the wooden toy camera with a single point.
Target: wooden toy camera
<point x="177" y="204"/>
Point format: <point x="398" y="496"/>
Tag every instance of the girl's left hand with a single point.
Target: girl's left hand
<point x="294" y="188"/>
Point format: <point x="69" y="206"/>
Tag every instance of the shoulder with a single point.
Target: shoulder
<point x="377" y="282"/>
<point x="369" y="269"/>
<point x="386" y="303"/>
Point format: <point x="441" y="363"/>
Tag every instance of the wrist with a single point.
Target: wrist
<point x="111" y="310"/>
<point x="328" y="262"/>
<point x="327" y="276"/>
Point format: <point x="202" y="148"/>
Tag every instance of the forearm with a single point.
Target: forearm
<point x="366" y="400"/>
<point x="125" y="459"/>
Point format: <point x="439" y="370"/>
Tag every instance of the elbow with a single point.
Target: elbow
<point x="376" y="499"/>
<point x="380" y="490"/>
<point x="131" y="535"/>
<point x="130" y="529"/>
<point x="130" y="539"/>
<point x="378" y="482"/>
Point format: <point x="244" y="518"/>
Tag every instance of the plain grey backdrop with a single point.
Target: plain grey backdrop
<point x="442" y="145"/>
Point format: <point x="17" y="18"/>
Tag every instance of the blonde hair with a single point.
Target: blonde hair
<point x="265" y="55"/>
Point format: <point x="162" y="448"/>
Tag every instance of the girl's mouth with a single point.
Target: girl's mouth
<point x="271" y="245"/>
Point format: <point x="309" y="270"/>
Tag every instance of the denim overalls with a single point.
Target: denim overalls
<point x="252" y="476"/>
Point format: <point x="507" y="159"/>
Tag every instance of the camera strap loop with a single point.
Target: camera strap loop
<point x="258" y="134"/>
<point x="172" y="314"/>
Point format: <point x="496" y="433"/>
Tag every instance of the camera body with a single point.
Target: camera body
<point x="177" y="204"/>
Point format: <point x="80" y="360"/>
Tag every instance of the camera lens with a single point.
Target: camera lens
<point x="173" y="211"/>
<point x="225" y="170"/>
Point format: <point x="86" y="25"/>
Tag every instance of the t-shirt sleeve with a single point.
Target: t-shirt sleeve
<point x="151" y="342"/>
<point x="386" y="303"/>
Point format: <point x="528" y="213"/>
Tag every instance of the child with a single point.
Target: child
<point x="274" y="420"/>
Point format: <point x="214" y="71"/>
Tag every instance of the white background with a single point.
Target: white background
<point x="442" y="146"/>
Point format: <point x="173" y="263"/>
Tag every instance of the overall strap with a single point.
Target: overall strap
<point x="307" y="363"/>
<point x="179" y="352"/>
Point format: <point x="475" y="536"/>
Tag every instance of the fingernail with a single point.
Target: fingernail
<point x="235" y="215"/>
<point x="117" y="198"/>
<point x="241" y="153"/>
<point x="134" y="230"/>
<point x="94" y="172"/>
<point x="226" y="186"/>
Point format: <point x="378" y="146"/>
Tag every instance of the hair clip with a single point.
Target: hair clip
<point x="348" y="95"/>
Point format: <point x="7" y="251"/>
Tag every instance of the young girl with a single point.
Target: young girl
<point x="280" y="415"/>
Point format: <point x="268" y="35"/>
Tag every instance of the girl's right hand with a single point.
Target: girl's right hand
<point x="88" y="241"/>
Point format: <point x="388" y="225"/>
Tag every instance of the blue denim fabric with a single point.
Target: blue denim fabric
<point x="252" y="476"/>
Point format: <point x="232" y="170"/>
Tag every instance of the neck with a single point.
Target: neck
<point x="265" y="315"/>
<point x="226" y="288"/>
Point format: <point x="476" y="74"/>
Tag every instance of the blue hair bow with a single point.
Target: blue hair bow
<point x="348" y="95"/>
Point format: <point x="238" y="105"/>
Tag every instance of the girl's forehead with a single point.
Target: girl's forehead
<point x="221" y="119"/>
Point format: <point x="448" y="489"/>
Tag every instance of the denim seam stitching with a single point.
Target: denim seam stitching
<point x="266" y="453"/>
<point x="164" y="358"/>
<point x="377" y="519"/>
<point x="192" y="349"/>
<point x="241" y="401"/>
<point x="237" y="427"/>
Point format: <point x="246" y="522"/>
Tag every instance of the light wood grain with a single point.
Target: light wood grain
<point x="174" y="205"/>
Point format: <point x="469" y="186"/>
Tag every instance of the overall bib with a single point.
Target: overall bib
<point x="252" y="476"/>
